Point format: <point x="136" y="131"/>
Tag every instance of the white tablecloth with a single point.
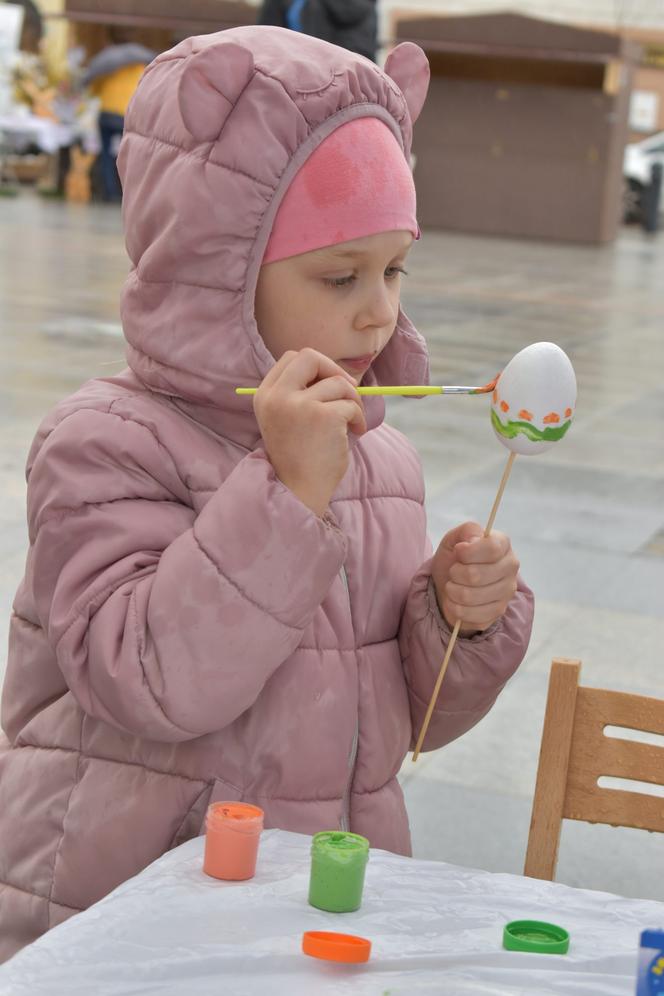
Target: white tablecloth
<point x="48" y="135"/>
<point x="435" y="928"/>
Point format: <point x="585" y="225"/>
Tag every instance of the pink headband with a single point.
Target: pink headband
<point x="356" y="183"/>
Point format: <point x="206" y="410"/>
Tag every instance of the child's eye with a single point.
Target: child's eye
<point x="393" y="271"/>
<point x="339" y="281"/>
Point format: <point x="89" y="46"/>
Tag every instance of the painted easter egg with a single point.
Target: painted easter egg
<point x="533" y="403"/>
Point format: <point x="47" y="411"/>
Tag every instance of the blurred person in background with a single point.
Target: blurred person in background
<point x="352" y="24"/>
<point x="112" y="76"/>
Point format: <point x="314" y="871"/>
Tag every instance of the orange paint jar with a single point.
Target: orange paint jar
<point x="232" y="835"/>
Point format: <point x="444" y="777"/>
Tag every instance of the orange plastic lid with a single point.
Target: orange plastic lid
<point x="335" y="947"/>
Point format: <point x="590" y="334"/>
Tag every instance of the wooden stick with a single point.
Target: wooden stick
<point x="434" y="696"/>
<point x="457" y="625"/>
<point x="499" y="494"/>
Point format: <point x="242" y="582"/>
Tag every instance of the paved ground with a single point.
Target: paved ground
<point x="587" y="519"/>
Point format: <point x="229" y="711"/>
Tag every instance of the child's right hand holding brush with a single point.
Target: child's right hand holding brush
<point x="305" y="407"/>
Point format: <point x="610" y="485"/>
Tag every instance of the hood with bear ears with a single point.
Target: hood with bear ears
<point x="214" y="135"/>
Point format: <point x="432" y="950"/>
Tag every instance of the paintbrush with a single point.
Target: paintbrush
<point x="413" y="390"/>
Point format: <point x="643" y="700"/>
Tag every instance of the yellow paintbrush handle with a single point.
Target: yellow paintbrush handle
<point x="410" y="389"/>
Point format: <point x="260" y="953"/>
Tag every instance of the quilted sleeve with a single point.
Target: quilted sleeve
<point x="479" y="667"/>
<point x="166" y="623"/>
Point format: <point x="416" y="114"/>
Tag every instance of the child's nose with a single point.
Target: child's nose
<point x="377" y="310"/>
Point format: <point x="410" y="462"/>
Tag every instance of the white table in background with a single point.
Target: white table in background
<point x="48" y="135"/>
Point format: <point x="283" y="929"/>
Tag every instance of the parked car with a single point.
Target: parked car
<point x="638" y="161"/>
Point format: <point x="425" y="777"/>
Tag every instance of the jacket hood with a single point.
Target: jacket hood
<point x="214" y="135"/>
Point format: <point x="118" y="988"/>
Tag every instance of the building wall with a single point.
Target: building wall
<point x="608" y="14"/>
<point x="641" y="20"/>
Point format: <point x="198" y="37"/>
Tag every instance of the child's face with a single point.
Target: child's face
<point x="342" y="300"/>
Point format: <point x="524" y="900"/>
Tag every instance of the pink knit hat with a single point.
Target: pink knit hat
<point x="356" y="183"/>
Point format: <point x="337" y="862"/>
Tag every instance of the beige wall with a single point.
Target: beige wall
<point x="645" y="77"/>
<point x="54" y="43"/>
<point x="604" y="13"/>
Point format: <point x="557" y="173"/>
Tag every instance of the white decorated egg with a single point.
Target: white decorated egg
<point x="533" y="403"/>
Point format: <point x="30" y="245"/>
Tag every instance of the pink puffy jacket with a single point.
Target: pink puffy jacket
<point x="187" y="630"/>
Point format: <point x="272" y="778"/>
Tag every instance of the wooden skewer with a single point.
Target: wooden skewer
<point x="457" y="625"/>
<point x="499" y="493"/>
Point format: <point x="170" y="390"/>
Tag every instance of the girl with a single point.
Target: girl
<point x="229" y="602"/>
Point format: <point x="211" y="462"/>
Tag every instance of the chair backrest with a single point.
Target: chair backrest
<point x="576" y="752"/>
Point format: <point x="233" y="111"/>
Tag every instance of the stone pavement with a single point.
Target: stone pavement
<point x="586" y="520"/>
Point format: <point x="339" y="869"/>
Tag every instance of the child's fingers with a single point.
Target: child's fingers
<point x="333" y="389"/>
<point x="465" y="532"/>
<point x="479" y="575"/>
<point x="307" y="367"/>
<point x="275" y="372"/>
<point x="474" y="617"/>
<point x="467" y="597"/>
<point x="352" y="414"/>
<point x="484" y="550"/>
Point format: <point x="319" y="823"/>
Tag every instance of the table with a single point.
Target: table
<point x="19" y="130"/>
<point x="436" y="928"/>
<point x="48" y="135"/>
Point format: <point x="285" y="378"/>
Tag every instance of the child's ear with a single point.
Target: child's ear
<point x="211" y="83"/>
<point x="408" y="66"/>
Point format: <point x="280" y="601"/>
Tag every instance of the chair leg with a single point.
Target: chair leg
<point x="549" y="797"/>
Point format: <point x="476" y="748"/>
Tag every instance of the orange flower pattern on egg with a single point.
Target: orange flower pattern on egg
<point x="553" y="418"/>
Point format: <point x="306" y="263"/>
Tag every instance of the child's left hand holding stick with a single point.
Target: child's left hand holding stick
<point x="475" y="576"/>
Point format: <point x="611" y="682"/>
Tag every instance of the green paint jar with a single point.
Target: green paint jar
<point x="338" y="863"/>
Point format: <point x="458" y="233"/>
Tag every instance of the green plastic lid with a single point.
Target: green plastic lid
<point x="535" y="936"/>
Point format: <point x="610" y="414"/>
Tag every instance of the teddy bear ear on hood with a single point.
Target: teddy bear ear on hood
<point x="211" y="83"/>
<point x="408" y="66"/>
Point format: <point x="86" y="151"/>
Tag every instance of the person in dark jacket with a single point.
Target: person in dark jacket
<point x="352" y="24"/>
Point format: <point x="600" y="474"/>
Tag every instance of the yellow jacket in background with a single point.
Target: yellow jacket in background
<point x="116" y="89"/>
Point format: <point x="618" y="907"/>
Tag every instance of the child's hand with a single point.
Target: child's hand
<point x="474" y="576"/>
<point x="305" y="407"/>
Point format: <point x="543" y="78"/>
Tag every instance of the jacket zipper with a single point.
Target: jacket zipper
<point x="344" y="823"/>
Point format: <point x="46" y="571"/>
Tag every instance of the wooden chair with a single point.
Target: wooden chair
<point x="575" y="753"/>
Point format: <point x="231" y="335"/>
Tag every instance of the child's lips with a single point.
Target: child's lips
<point x="358" y="362"/>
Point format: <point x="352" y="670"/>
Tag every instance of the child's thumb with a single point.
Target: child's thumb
<point x="468" y="532"/>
